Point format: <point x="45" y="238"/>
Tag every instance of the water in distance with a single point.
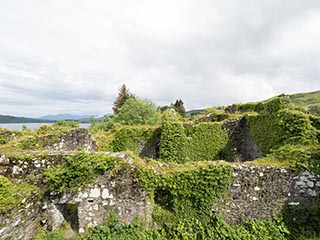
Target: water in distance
<point x="18" y="126"/>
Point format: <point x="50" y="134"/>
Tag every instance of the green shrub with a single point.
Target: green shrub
<point x="315" y="121"/>
<point x="173" y="142"/>
<point x="31" y="143"/>
<point x="269" y="106"/>
<point x="205" y="141"/>
<point x="44" y="130"/>
<point x="3" y="140"/>
<point x="77" y="170"/>
<point x="65" y="124"/>
<point x="315" y="109"/>
<point x="134" y="138"/>
<point x="11" y="195"/>
<point x="187" y="191"/>
<point x="136" y="112"/>
<point x="113" y="230"/>
<point x="303" y="221"/>
<point x="5" y="135"/>
<point x="270" y="131"/>
<point x="298" y="157"/>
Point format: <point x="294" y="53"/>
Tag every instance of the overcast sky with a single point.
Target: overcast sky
<point x="71" y="56"/>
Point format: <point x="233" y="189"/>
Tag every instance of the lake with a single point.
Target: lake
<point x="18" y="126"/>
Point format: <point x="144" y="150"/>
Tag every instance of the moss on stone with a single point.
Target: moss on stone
<point x="12" y="195"/>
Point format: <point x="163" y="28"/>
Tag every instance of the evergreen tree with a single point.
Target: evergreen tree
<point x="123" y="96"/>
<point x="178" y="106"/>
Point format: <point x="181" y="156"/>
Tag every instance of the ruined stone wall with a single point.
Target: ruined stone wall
<point x="29" y="167"/>
<point x="304" y="189"/>
<point x="258" y="192"/>
<point x="241" y="145"/>
<point x="255" y="192"/>
<point x="93" y="204"/>
<point x="21" y="223"/>
<point x="87" y="207"/>
<point x="72" y="140"/>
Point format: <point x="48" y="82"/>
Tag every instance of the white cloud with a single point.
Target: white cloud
<point x="71" y="56"/>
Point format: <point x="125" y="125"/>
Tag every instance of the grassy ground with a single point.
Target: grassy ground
<point x="306" y="99"/>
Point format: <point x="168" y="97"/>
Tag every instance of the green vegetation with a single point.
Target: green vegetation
<point x="205" y="141"/>
<point x="57" y="234"/>
<point x="37" y="140"/>
<point x="184" y="178"/>
<point x="178" y="107"/>
<point x="136" y="112"/>
<point x="270" y="131"/>
<point x="309" y="101"/>
<point x="123" y="96"/>
<point x="114" y="231"/>
<point x="187" y="191"/>
<point x="309" y="98"/>
<point x="11" y="195"/>
<point x="134" y="138"/>
<point x="173" y="139"/>
<point x="77" y="170"/>
<point x="65" y="124"/>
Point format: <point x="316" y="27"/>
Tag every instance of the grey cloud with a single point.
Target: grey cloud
<point x="77" y="54"/>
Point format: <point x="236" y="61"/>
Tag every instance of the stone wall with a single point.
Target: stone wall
<point x="304" y="189"/>
<point x="21" y="223"/>
<point x="258" y="192"/>
<point x="72" y="140"/>
<point x="89" y="206"/>
<point x="93" y="204"/>
<point x="255" y="192"/>
<point x="241" y="143"/>
<point x="29" y="167"/>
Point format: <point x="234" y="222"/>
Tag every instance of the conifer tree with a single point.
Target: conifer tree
<point x="178" y="106"/>
<point x="123" y="96"/>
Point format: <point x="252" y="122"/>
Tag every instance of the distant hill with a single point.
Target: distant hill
<point x="306" y="99"/>
<point x="195" y="112"/>
<point x="12" y="119"/>
<point x="66" y="117"/>
<point x="310" y="101"/>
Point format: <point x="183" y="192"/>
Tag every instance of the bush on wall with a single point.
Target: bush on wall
<point x="134" y="138"/>
<point x="205" y="141"/>
<point x="270" y="131"/>
<point x="173" y="142"/>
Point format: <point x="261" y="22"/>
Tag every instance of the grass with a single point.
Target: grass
<point x="306" y="99"/>
<point x="269" y="162"/>
<point x="168" y="167"/>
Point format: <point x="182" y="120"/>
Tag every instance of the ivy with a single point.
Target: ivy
<point x="11" y="195"/>
<point x="173" y="142"/>
<point x="270" y="131"/>
<point x="302" y="221"/>
<point x="134" y="138"/>
<point x="205" y="141"/>
<point x="77" y="170"/>
<point x="189" y="191"/>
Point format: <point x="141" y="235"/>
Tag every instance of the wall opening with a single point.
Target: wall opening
<point x="70" y="214"/>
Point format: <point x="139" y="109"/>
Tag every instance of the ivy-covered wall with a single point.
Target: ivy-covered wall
<point x="267" y="107"/>
<point x="173" y="142"/>
<point x="188" y="189"/>
<point x="205" y="141"/>
<point x="142" y="140"/>
<point x="192" y="142"/>
<point x="270" y="131"/>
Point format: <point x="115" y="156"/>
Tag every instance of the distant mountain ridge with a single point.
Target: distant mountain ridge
<point x="12" y="119"/>
<point x="307" y="100"/>
<point x="66" y="116"/>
